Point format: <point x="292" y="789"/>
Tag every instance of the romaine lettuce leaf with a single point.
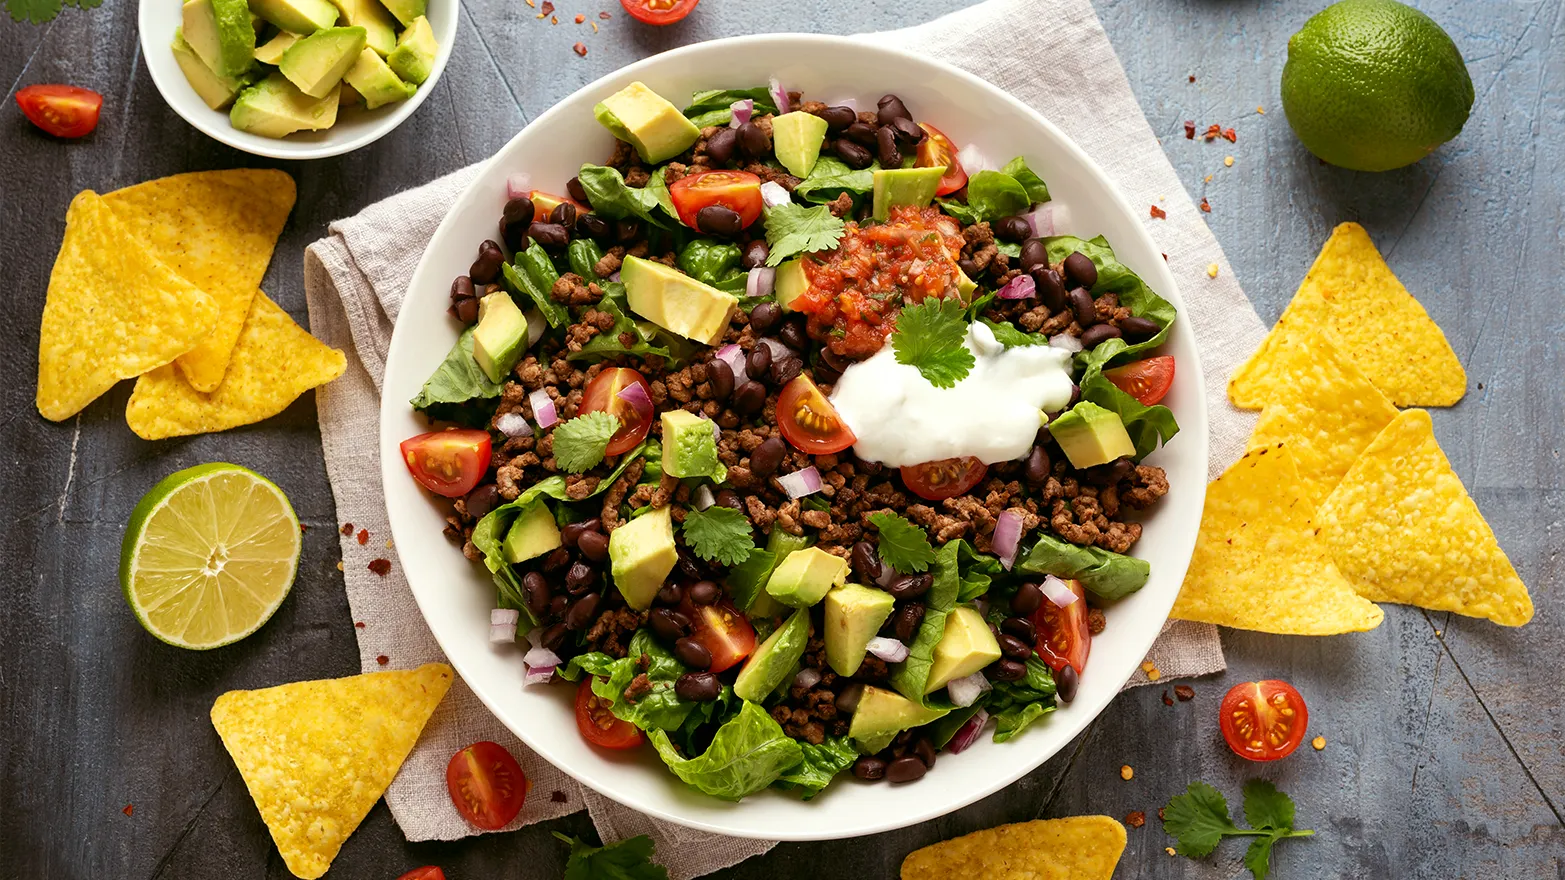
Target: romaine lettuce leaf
<point x="1104" y="574"/>
<point x="910" y="676"/>
<point x="614" y="199"/>
<point x="659" y="709"/>
<point x="820" y="764"/>
<point x="712" y="106"/>
<point x="456" y="383"/>
<point x="748" y="753"/>
<point x="1016" y="704"/>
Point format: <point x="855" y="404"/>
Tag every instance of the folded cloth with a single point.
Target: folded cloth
<point x="356" y="278"/>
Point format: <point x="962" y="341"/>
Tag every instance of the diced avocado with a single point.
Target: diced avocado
<point x="791" y="282"/>
<point x="533" y="534"/>
<point x="797" y="139"/>
<point x="676" y="302"/>
<point x="219" y="32"/>
<point x="854" y="615"/>
<point x="776" y="660"/>
<point x="275" y="108"/>
<point x="964" y="285"/>
<point x="405" y="11"/>
<point x="296" y="16"/>
<point x="379" y="27"/>
<point x="647" y="121"/>
<point x="905" y="186"/>
<point x="1090" y="435"/>
<point x="316" y="63"/>
<point x="216" y="90"/>
<point x="689" y="449"/>
<point x="271" y="52"/>
<point x="370" y="77"/>
<point x="882" y="714"/>
<point x="641" y="554"/>
<point x="780" y="544"/>
<point x="806" y="576"/>
<point x="348" y="96"/>
<point x="414" y="57"/>
<point x="500" y="338"/>
<point x="966" y="647"/>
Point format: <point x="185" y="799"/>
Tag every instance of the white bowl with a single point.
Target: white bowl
<point x="456" y="595"/>
<point x="355" y="127"/>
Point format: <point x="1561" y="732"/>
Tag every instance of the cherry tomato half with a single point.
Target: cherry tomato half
<point x="721" y="629"/>
<point x="739" y="191"/>
<point x="937" y="149"/>
<point x="607" y="392"/>
<point x="1263" y="720"/>
<point x="63" y="111"/>
<point x="597" y="724"/>
<point x="449" y="462"/>
<point x="659" y="11"/>
<point x="1063" y="637"/>
<point x="809" y="421"/>
<point x="486" y="785"/>
<point x="946" y="478"/>
<point x="428" y="872"/>
<point x="544" y="203"/>
<point x="1147" y="381"/>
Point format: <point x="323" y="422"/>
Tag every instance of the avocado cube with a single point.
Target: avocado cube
<point x="220" y="34"/>
<point x="791" y="282"/>
<point x="882" y="714"/>
<point x="533" y="534"/>
<point x="641" y="554"/>
<point x="271" y="52"/>
<point x="905" y="186"/>
<point x="371" y="78"/>
<point x="647" y="121"/>
<point x="216" y="90"/>
<point x="967" y="646"/>
<point x="299" y="17"/>
<point x="854" y="614"/>
<point x="689" y="446"/>
<point x="414" y="57"/>
<point x="797" y="139"/>
<point x="316" y="63"/>
<point x="405" y="11"/>
<point x="379" y="27"/>
<point x="1090" y="435"/>
<point x="776" y="660"/>
<point x="274" y="107"/>
<point x="806" y="576"/>
<point x="500" y="338"/>
<point x="676" y="302"/>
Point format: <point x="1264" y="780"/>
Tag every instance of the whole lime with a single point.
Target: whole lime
<point x="1373" y="85"/>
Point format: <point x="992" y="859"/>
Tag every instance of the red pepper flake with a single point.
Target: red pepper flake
<point x="558" y="797"/>
<point x="381" y="567"/>
<point x="554" y="19"/>
<point x="1158" y="213"/>
<point x="1166" y="700"/>
<point x="1135" y="818"/>
<point x="548" y="8"/>
<point x="129" y="808"/>
<point x="347" y="528"/>
<point x="303" y="528"/>
<point x="1212" y="131"/>
<point x="1160" y="814"/>
<point x="364" y="537"/>
<point x="1184" y="692"/>
<point x="383" y="659"/>
<point x="581" y="49"/>
<point x="1189" y="129"/>
<point x="358" y="624"/>
<point x="605" y="16"/>
<point x="1206" y="205"/>
<point x="580" y="18"/>
<point x="1230" y="136"/>
<point x="1192" y="77"/>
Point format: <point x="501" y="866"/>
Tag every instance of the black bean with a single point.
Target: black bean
<point x="558" y="604"/>
<point x="792" y="335"/>
<point x="1098" y="334"/>
<point x="909" y="133"/>
<point x="754" y="141"/>
<point x="860" y="133"/>
<point x="535" y="589"/>
<point x="570" y="532"/>
<point x="767" y="457"/>
<point x="689" y="567"/>
<point x="785" y="370"/>
<point x="1120" y="468"/>
<point x="750" y="397"/>
<point x="594" y="546"/>
<point x="968" y="267"/>
<point x="466" y="310"/>
<point x="1081" y="305"/>
<point x="866" y="562"/>
<point x="1027" y="599"/>
<point x="906" y="769"/>
<point x="869" y="768"/>
<point x="692" y="653"/>
<point x="1014" y="648"/>
<point x="1138" y="329"/>
<point x="482" y="500"/>
<point x="891" y="109"/>
<point x="583" y="612"/>
<point x="924" y="750"/>
<point x="720" y="147"/>
<point x="576" y="191"/>
<point x="697" y="687"/>
<point x="1020" y="627"/>
<point x="907" y="620"/>
<point x="590" y="225"/>
<point x="721" y="377"/>
<point x="835" y="361"/>
<point x="553" y="638"/>
<point x="486" y="268"/>
<point x="758" y="361"/>
<point x="564" y="214"/>
<point x="1034" y="254"/>
<point x="1007" y="670"/>
<point x="551" y="235"/>
<point x="670" y="594"/>
<point x="838" y="118"/>
<point x="626" y="230"/>
<point x="1051" y="287"/>
<point x="668" y="625"/>
<point x="854" y="156"/>
<point x="558" y="558"/>
<point x="730" y="499"/>
<point x="765" y="316"/>
<point x="1038" y="467"/>
<point x="755" y="254"/>
<point x="719" y="220"/>
<point x="1080" y="270"/>
<point x="886" y="148"/>
<point x="580" y="578"/>
<point x="911" y="586"/>
<point x="518" y="215"/>
<point x="704" y="592"/>
<point x="1066" y="682"/>
<point x="1012" y="228"/>
<point x="464" y="300"/>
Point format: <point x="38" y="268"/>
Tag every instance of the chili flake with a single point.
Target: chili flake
<point x="381" y="567"/>
<point x="580" y="18"/>
<point x="558" y="797"/>
<point x="1318" y="743"/>
<point x="1189" y="129"/>
<point x="358" y="624"/>
<point x="1184" y="692"/>
<point x="364" y="537"/>
<point x="1230" y="136"/>
<point x="1166" y="700"/>
<point x="548" y="8"/>
<point x="554" y="19"/>
<point x="1135" y="818"/>
<point x="347" y="528"/>
<point x="1213" y="131"/>
<point x="1259" y="109"/>
<point x="383" y="659"/>
<point x="1192" y="77"/>
<point x="580" y="49"/>
<point x="1125" y="772"/>
<point x="129" y="808"/>
<point x="1206" y="206"/>
<point x="303" y="528"/>
<point x="1158" y="213"/>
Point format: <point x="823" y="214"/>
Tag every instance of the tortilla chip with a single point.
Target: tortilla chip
<point x="317" y="755"/>
<point x="1351" y="295"/>
<point x="1075" y="848"/>
<point x="1327" y="412"/>
<point x="216" y="229"/>
<point x="274" y="362"/>
<point x="1402" y="529"/>
<point x="113" y="312"/>
<point x="1259" y="563"/>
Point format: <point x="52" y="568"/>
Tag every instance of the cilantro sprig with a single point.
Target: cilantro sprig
<point x="629" y="859"/>
<point x="1199" y="820"/>
<point x="719" y="534"/>
<point x="929" y="337"/>
<point x="903" y="546"/>
<point x="794" y="229"/>
<point x="43" y="11"/>
<point x="580" y="443"/>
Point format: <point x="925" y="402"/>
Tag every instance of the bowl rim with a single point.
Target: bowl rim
<point x="1195" y="446"/>
<point x="215" y="123"/>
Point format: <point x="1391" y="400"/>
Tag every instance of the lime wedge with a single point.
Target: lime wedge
<point x="209" y="554"/>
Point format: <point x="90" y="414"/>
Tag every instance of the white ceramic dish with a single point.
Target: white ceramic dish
<point x="456" y="595"/>
<point x="355" y="128"/>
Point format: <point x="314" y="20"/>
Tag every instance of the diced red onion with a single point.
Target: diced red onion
<point x="717" y="431"/>
<point x="779" y="95"/>
<point x="773" y="194"/>
<point x="888" y="649"/>
<point x="635" y="394"/>
<point x="761" y="282"/>
<point x="518" y="185"/>
<point x="966" y="689"/>
<point x="801" y="483"/>
<point x="969" y="733"/>
<point x="1007" y="537"/>
<point x="849" y="102"/>
<point x="702" y="498"/>
<point x="1042" y="220"/>
<point x="535" y="637"/>
<point x="538" y="675"/>
<point x="742" y="110"/>
<point x="614" y="276"/>
<point x="1065" y="342"/>
<point x="502" y="625"/>
<point x="1020" y="287"/>
<point x="543" y="408"/>
<point x="733" y="356"/>
<point x="807" y="678"/>
<point x="1058" y="591"/>
<point x="973" y="160"/>
<point x="513" y="424"/>
<point x="541" y="663"/>
<point x="779" y="350"/>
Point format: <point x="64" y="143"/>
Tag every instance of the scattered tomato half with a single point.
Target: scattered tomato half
<point x="63" y="111"/>
<point x="428" y="872"/>
<point x="809" y="421"/>
<point x="937" y="149"/>
<point x="721" y="629"/>
<point x="609" y="392"/>
<point x="597" y="724"/>
<point x="1263" y="720"/>
<point x="449" y="462"/>
<point x="487" y="786"/>
<point x="1063" y="637"/>
<point x="1147" y="381"/>
<point x="659" y="11"/>
<point x="946" y="478"/>
<point x="739" y="191"/>
<point x="544" y="203"/>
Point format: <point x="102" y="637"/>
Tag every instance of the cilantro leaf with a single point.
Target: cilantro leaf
<point x="903" y="546"/>
<point x="629" y="859"/>
<point x="719" y="534"/>
<point x="580" y="443"/>
<point x="1258" y="857"/>
<point x="929" y="336"/>
<point x="43" y="11"/>
<point x="1199" y="819"/>
<point x="1266" y="807"/>
<point x="794" y="229"/>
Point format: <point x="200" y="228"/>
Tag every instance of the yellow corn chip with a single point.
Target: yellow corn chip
<point x="317" y="755"/>
<point x="1075" y="848"/>
<point x="1402" y="529"/>
<point x="216" y="229"/>
<point x="274" y="362"/>
<point x="1327" y="412"/>
<point x="1259" y="563"/>
<point x="1351" y="296"/>
<point x="113" y="312"/>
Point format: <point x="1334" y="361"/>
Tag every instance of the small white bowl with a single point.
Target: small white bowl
<point x="355" y="128"/>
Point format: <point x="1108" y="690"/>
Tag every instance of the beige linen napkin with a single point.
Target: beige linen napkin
<point x="356" y="278"/>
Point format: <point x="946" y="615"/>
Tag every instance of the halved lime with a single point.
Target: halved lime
<point x="209" y="554"/>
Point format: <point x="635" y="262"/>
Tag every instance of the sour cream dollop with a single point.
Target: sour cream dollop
<point x="992" y="414"/>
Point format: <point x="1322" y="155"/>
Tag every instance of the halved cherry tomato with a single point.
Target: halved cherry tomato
<point x="597" y="724"/>
<point x="946" y="478"/>
<point x="721" y="629"/>
<point x="1147" y="381"/>
<point x="739" y="191"/>
<point x="1063" y="637"/>
<point x="449" y="462"/>
<point x="659" y="11"/>
<point x="428" y="872"/>
<point x="487" y="786"/>
<point x="544" y="203"/>
<point x="1263" y="720"/>
<point x="634" y="411"/>
<point x="63" y="111"/>
<point x="937" y="149"/>
<point x="809" y="421"/>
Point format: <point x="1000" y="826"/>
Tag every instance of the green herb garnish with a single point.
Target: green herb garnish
<point x="1199" y="820"/>
<point x="929" y="336"/>
<point x="794" y="229"/>
<point x="903" y="546"/>
<point x="719" y="534"/>
<point x="580" y="443"/>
